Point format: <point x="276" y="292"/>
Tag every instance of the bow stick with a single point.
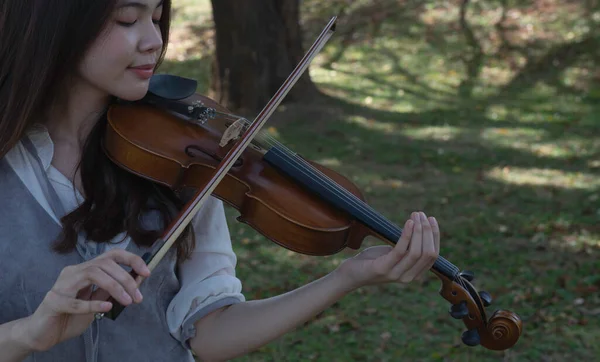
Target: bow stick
<point x="188" y="212"/>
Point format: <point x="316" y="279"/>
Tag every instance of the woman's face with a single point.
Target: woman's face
<point x="122" y="59"/>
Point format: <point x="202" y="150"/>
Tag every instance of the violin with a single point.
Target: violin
<point x="182" y="139"/>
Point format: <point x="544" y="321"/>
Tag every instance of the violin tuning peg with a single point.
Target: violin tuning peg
<point x="467" y="274"/>
<point x="486" y="298"/>
<point x="471" y="337"/>
<point x="459" y="311"/>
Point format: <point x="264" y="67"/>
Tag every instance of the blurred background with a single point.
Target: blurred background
<point x="481" y="113"/>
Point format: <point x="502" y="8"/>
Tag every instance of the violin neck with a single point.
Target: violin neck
<point x="305" y="174"/>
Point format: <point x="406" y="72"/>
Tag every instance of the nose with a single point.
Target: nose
<point x="152" y="40"/>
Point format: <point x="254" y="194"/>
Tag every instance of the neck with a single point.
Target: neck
<point x="70" y="123"/>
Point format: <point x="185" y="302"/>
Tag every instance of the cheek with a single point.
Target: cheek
<point x="106" y="62"/>
<point x="109" y="55"/>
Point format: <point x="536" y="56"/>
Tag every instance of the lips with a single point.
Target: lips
<point x="144" y="67"/>
<point x="143" y="71"/>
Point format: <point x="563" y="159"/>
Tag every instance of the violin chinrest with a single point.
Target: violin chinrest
<point x="172" y="87"/>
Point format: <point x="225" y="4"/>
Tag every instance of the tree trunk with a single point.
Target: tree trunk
<point x="258" y="44"/>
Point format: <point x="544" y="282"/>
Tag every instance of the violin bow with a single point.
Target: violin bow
<point x="176" y="227"/>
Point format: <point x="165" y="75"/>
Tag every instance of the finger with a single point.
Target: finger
<point x="414" y="250"/>
<point x="127" y="258"/>
<point x="415" y="264"/>
<point x="397" y="253"/>
<point x="93" y="274"/>
<point x="85" y="293"/>
<point x="65" y="304"/>
<point x="71" y="279"/>
<point x="429" y="254"/>
<point x="436" y="233"/>
<point x="115" y="271"/>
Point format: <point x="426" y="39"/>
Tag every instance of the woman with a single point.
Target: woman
<point x="78" y="222"/>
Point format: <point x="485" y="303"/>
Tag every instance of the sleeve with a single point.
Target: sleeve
<point x="208" y="279"/>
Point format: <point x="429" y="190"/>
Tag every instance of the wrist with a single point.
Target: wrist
<point x="21" y="335"/>
<point x="344" y="283"/>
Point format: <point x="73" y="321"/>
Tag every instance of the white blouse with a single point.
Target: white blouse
<point x="208" y="279"/>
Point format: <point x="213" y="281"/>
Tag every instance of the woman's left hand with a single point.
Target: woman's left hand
<point x="414" y="254"/>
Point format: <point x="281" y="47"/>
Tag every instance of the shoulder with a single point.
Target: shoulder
<point x="15" y="177"/>
<point x="14" y="160"/>
<point x="34" y="144"/>
<point x="20" y="167"/>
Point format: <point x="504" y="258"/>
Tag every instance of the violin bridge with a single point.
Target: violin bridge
<point x="233" y="132"/>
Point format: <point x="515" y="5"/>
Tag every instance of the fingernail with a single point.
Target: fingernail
<point x="138" y="295"/>
<point x="126" y="297"/>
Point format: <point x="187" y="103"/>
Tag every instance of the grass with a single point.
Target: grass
<point x="512" y="178"/>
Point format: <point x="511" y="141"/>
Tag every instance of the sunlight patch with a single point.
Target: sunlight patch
<point x="496" y="112"/>
<point x="576" y="241"/>
<point x="386" y="127"/>
<point x="544" y="177"/>
<point x="389" y="183"/>
<point x="580" y="240"/>
<point x="496" y="76"/>
<point x="329" y="162"/>
<point x="187" y="39"/>
<point x="531" y="140"/>
<point x="443" y="133"/>
<point x="507" y="135"/>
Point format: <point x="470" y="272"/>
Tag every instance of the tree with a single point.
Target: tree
<point x="258" y="44"/>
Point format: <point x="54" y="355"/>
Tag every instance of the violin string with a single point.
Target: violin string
<point x="271" y="141"/>
<point x="373" y="216"/>
<point x="352" y="199"/>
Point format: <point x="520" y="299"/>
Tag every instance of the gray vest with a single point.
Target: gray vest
<point x="29" y="268"/>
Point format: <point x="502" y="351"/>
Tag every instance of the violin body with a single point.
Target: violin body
<point x="268" y="201"/>
<point x="297" y="203"/>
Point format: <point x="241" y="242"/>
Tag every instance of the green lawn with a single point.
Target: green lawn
<point x="512" y="177"/>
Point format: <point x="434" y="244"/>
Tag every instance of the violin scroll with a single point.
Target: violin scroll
<point x="504" y="329"/>
<point x="500" y="332"/>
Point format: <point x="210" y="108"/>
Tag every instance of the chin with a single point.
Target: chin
<point x="132" y="94"/>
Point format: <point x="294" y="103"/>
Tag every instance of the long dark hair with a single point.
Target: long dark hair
<point x="41" y="44"/>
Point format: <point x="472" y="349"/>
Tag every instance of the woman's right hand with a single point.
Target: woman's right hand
<point x="67" y="310"/>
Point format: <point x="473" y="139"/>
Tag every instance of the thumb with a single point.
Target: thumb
<point x="374" y="252"/>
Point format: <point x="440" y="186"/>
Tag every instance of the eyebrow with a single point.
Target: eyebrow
<point x="139" y="5"/>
